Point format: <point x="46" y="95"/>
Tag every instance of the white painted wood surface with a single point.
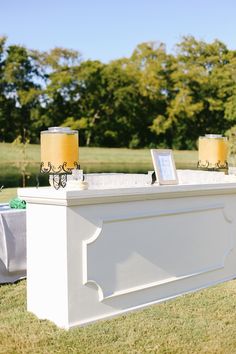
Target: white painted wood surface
<point x="94" y="254"/>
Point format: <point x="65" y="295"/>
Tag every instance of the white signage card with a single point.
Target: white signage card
<point x="164" y="166"/>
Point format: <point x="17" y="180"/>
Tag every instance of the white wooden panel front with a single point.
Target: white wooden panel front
<point x="128" y="254"/>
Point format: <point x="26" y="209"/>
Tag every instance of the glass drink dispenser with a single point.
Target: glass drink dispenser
<point x="213" y="152"/>
<point x="59" y="154"/>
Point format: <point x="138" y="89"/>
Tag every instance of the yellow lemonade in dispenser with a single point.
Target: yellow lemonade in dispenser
<point x="59" y="146"/>
<point x="213" y="151"/>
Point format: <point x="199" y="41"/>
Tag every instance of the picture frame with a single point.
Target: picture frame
<point x="164" y="166"/>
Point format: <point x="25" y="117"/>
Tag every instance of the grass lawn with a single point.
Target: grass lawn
<point x="13" y="153"/>
<point x="7" y="194"/>
<point x="201" y="322"/>
<point x="12" y="162"/>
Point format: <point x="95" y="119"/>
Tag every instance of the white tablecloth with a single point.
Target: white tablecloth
<point x="12" y="244"/>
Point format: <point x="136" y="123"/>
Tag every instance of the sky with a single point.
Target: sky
<point x="110" y="29"/>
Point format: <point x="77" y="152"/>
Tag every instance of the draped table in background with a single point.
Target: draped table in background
<point x="12" y="244"/>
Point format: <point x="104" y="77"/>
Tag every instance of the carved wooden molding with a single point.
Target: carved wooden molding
<point x="134" y="252"/>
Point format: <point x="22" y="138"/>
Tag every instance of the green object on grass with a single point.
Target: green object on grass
<point x="17" y="203"/>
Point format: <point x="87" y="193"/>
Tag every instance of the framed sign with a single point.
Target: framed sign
<point x="164" y="166"/>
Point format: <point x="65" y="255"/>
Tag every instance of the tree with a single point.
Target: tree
<point x="58" y="98"/>
<point x="201" y="87"/>
<point x="90" y="92"/>
<point x="6" y="106"/>
<point x="152" y="99"/>
<point x="154" y="67"/>
<point x="20" y="91"/>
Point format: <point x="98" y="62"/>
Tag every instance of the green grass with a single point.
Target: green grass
<point x="12" y="153"/>
<point x="201" y="322"/>
<point x="91" y="160"/>
<point x="7" y="194"/>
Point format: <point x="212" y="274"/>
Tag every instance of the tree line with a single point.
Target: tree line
<point x="151" y="99"/>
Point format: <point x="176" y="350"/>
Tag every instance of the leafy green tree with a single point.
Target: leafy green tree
<point x="59" y="97"/>
<point x="202" y="86"/>
<point x="152" y="99"/>
<point x="230" y="87"/>
<point x="120" y="102"/>
<point x="90" y="93"/>
<point x="20" y="91"/>
<point x="6" y="105"/>
<point x="154" y="67"/>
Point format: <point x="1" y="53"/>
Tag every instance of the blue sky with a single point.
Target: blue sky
<point x="110" y="29"/>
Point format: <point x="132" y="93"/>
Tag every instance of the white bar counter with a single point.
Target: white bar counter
<point x="93" y="254"/>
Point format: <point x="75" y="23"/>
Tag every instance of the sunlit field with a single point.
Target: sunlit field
<point x="200" y="322"/>
<point x="14" y="163"/>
